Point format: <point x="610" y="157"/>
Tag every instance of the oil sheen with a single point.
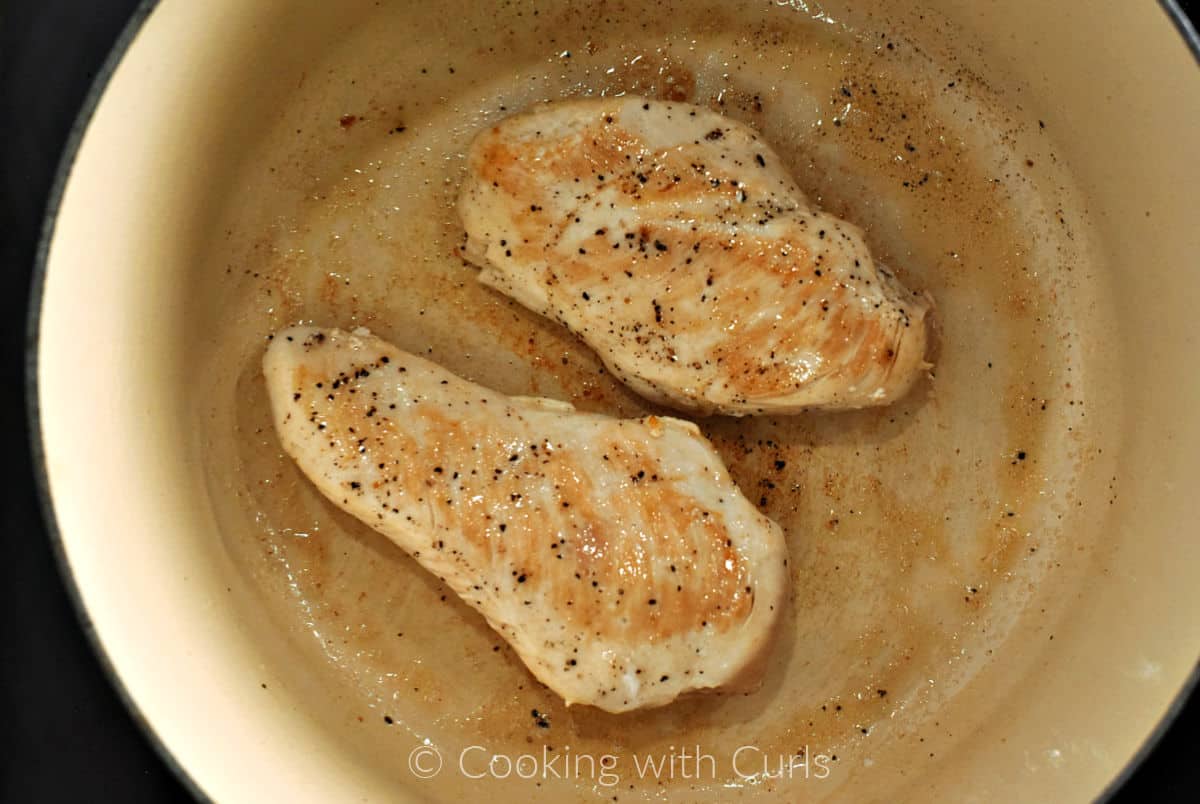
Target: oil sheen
<point x="923" y="536"/>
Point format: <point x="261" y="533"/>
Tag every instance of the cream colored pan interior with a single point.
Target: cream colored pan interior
<point x="994" y="580"/>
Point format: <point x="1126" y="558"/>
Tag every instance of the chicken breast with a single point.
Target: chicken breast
<point x="675" y="243"/>
<point x="616" y="556"/>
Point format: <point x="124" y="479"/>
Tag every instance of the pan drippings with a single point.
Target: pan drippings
<point x="920" y="534"/>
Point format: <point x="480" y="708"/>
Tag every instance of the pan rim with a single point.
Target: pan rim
<point x="1179" y="19"/>
<point x="58" y="186"/>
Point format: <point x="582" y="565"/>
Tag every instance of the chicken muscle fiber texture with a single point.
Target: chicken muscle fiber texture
<point x="616" y="556"/>
<point x="674" y="242"/>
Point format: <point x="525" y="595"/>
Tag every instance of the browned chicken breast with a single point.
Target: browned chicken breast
<point x="675" y="243"/>
<point x="616" y="556"/>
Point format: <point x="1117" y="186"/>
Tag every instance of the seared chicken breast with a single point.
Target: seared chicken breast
<point x="675" y="243"/>
<point x="616" y="556"/>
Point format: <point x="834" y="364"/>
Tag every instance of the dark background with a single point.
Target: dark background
<point x="65" y="734"/>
